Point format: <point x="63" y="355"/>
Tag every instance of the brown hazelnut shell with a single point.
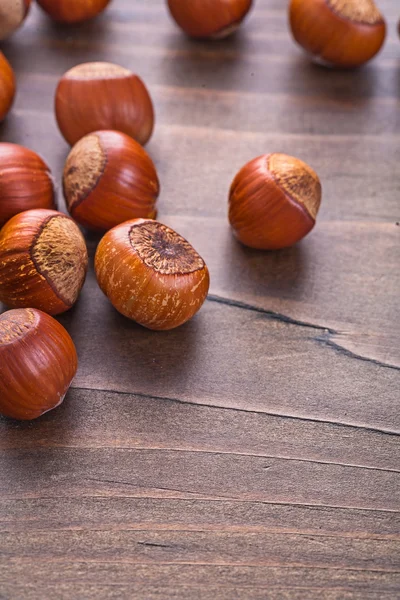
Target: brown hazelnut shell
<point x="12" y="15"/>
<point x="7" y="86"/>
<point x="273" y="202"/>
<point x="25" y="182"/>
<point x="209" y="18"/>
<point x="73" y="11"/>
<point x="38" y="362"/>
<point x="43" y="261"/>
<point x="108" y="179"/>
<point x="103" y="96"/>
<point x="151" y="274"/>
<point x="341" y="33"/>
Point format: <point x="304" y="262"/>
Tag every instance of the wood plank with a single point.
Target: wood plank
<point x="108" y="420"/>
<point x="230" y="549"/>
<point x="207" y="475"/>
<point x="273" y="112"/>
<point x="199" y="576"/>
<point x="164" y="510"/>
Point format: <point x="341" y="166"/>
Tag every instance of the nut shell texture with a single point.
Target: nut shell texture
<point x="108" y="179"/>
<point x="38" y="362"/>
<point x="12" y="14"/>
<point x="209" y="18"/>
<point x="151" y="274"/>
<point x="274" y="201"/>
<point x="25" y="182"/>
<point x="342" y="33"/>
<point x="43" y="261"/>
<point x="97" y="96"/>
<point x="72" y="11"/>
<point x="7" y="86"/>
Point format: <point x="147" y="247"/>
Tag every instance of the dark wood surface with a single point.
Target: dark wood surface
<point x="254" y="452"/>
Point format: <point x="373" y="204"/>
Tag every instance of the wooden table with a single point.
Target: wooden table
<point x="253" y="453"/>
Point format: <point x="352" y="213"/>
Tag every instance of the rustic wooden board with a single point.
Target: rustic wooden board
<point x="253" y="453"/>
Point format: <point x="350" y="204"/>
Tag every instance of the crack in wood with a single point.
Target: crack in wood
<point x="271" y="314"/>
<point x="324" y="339"/>
<point x="141" y="487"/>
<point x="155" y="545"/>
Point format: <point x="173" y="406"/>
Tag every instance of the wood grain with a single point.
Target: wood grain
<point x="254" y="452"/>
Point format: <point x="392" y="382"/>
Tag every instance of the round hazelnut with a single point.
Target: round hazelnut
<point x="95" y="96"/>
<point x="151" y="274"/>
<point x="108" y="179"/>
<point x="341" y="33"/>
<point x="25" y="182"/>
<point x="43" y="261"/>
<point x="274" y="201"/>
<point x="38" y="362"/>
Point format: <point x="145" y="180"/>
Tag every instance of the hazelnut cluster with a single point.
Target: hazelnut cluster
<point x="149" y="272"/>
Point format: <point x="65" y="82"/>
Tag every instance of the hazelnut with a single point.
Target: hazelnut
<point x="38" y="362"/>
<point x="43" y="261"/>
<point x="151" y="274"/>
<point x="274" y="201"/>
<point x="25" y="182"/>
<point x="341" y="33"/>
<point x="98" y="95"/>
<point x="108" y="179"/>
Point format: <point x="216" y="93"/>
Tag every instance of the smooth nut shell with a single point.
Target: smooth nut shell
<point x="43" y="261"/>
<point x="108" y="179"/>
<point x="103" y="96"/>
<point x="273" y="202"/>
<point x="7" y="86"/>
<point x="333" y="37"/>
<point x="12" y="14"/>
<point x="38" y="362"/>
<point x="209" y="18"/>
<point x="73" y="11"/>
<point x="25" y="182"/>
<point x="151" y="274"/>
